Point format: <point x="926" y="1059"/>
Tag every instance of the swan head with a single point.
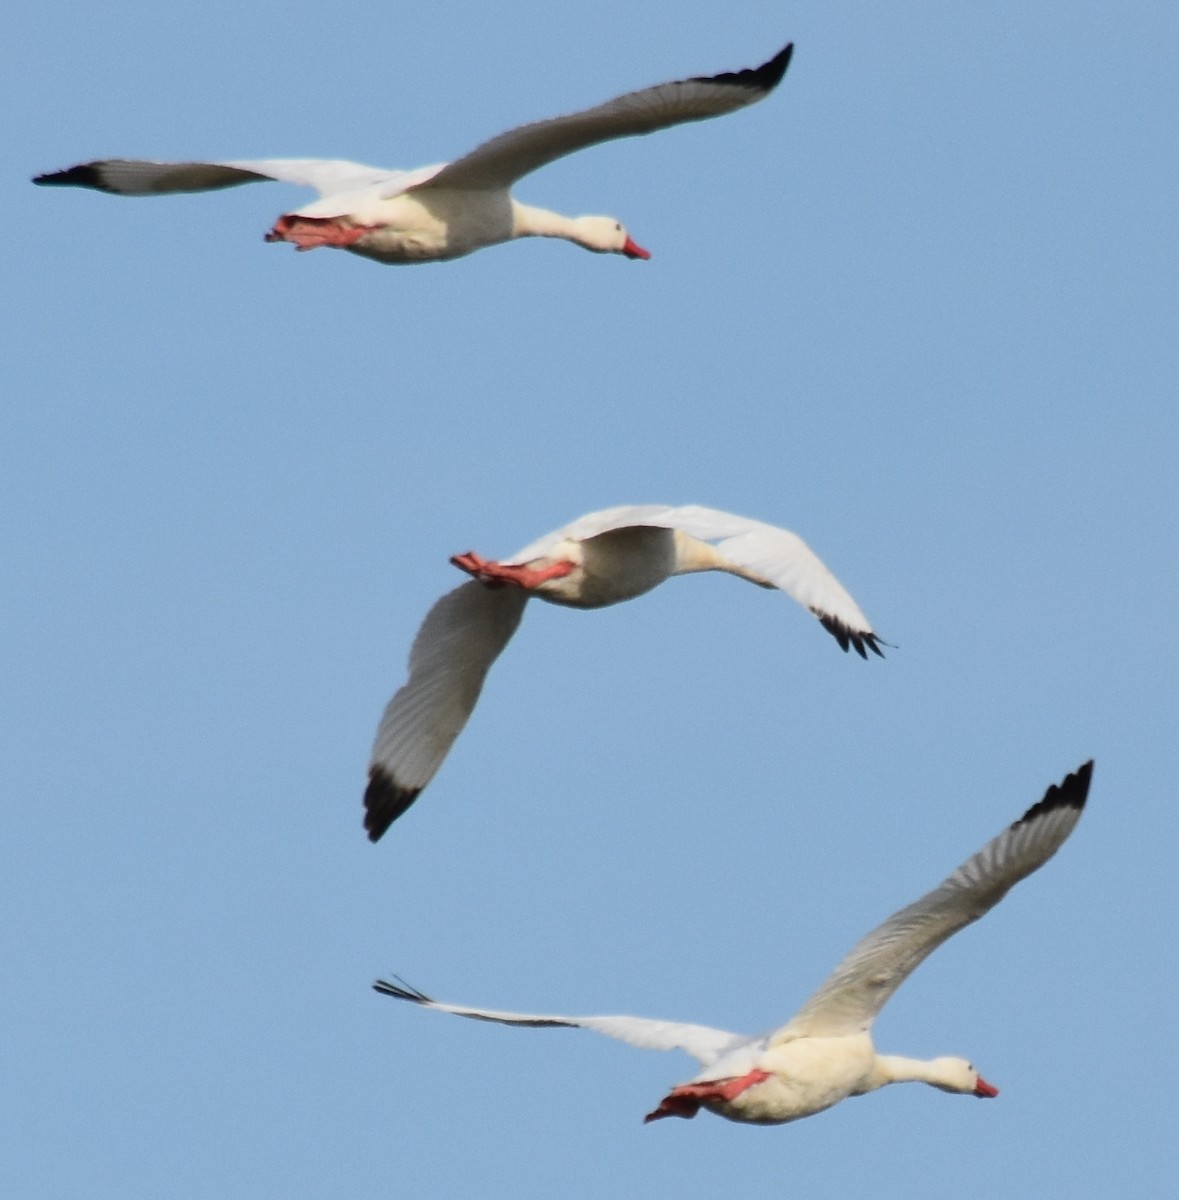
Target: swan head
<point x="957" y="1075"/>
<point x="605" y="235"/>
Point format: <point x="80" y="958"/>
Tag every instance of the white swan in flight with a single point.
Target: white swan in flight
<point x="825" y="1053"/>
<point x="449" y="209"/>
<point x="597" y="560"/>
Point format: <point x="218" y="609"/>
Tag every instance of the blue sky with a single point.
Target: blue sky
<point x="919" y="306"/>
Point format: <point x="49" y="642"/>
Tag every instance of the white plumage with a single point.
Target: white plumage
<point x="449" y="209"/>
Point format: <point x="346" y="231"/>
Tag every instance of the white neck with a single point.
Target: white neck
<point x="895" y="1068"/>
<point x="528" y="221"/>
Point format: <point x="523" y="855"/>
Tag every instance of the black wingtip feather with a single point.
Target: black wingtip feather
<point x="401" y="990"/>
<point x="761" y="79"/>
<point x="86" y="176"/>
<point x="848" y="638"/>
<point x="384" y="801"/>
<point x="1071" y="792"/>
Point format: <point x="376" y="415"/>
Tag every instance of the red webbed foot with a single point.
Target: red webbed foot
<point x="494" y="574"/>
<point x="686" y="1100"/>
<point x="308" y="233"/>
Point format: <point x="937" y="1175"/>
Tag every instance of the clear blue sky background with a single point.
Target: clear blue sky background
<point x="919" y="306"/>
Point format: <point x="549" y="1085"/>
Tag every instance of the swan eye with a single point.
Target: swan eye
<point x="618" y="226"/>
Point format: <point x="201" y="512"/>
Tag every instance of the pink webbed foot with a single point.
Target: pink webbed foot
<point x="493" y="574"/>
<point x="687" y="1099"/>
<point x="308" y="233"/>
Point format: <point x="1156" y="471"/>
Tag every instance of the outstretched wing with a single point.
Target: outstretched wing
<point x="140" y="177"/>
<point x="701" y="1041"/>
<point x="859" y="987"/>
<point x="458" y="641"/>
<point x="498" y="163"/>
<point x="777" y="558"/>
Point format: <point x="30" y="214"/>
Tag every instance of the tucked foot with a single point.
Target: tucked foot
<point x="308" y="233"/>
<point x="494" y="574"/>
<point x="686" y="1100"/>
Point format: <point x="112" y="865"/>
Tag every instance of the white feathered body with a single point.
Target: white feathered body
<point x="430" y="224"/>
<point x="806" y="1075"/>
<point x="609" y="568"/>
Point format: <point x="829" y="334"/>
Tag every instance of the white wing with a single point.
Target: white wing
<point x="137" y="177"/>
<point x="701" y="1041"/>
<point x="498" y="163"/>
<point x="783" y="560"/>
<point x="460" y="638"/>
<point x="764" y="553"/>
<point x="859" y="987"/>
<point x="591" y="525"/>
